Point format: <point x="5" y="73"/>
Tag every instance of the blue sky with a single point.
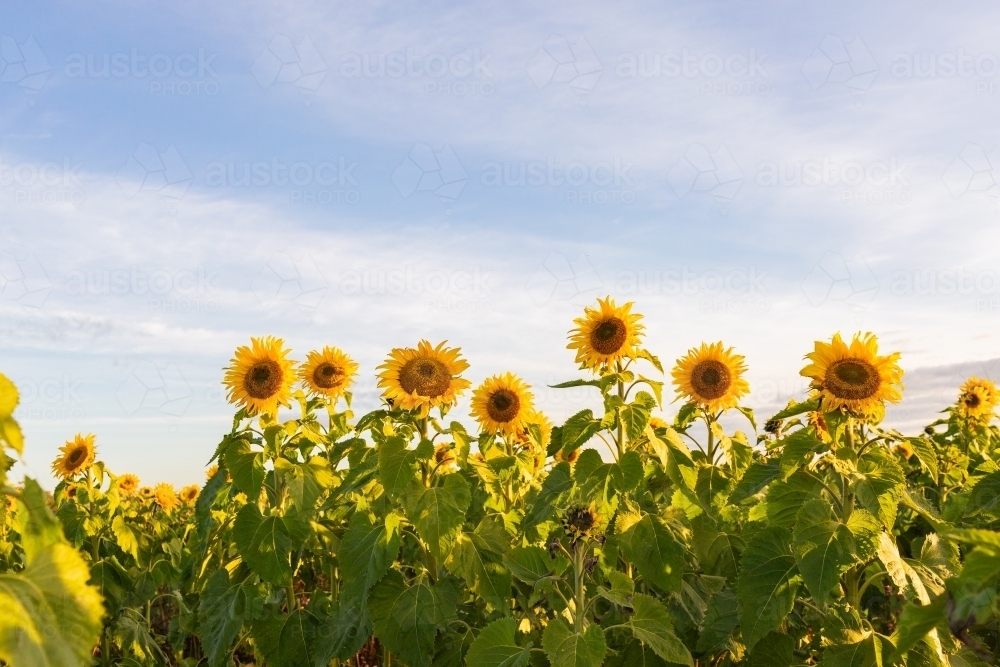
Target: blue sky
<point x="175" y="178"/>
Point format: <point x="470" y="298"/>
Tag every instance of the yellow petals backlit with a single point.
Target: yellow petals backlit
<point x="711" y="376"/>
<point x="260" y="377"/>
<point x="854" y="377"/>
<point x="75" y="456"/>
<point x="606" y="334"/>
<point x="327" y="372"/>
<point x="423" y="377"/>
<point x="502" y="403"/>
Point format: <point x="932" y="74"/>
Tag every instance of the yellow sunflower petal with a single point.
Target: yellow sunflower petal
<point x="606" y="334"/>
<point x="503" y="404"/>
<point x="423" y="377"/>
<point x="327" y="372"/>
<point x="75" y="456"/>
<point x="711" y="376"/>
<point x="854" y="377"/>
<point x="260" y="376"/>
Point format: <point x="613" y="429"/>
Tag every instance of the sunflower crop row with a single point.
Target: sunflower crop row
<point x="402" y="537"/>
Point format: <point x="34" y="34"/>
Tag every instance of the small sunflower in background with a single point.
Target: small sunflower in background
<point x="423" y="377"/>
<point x="146" y="493"/>
<point x="260" y="376"/>
<point x="711" y="376"/>
<point x="657" y="423"/>
<point x="977" y="399"/>
<point x="76" y="456"/>
<point x="127" y="484"/>
<point x="444" y="455"/>
<point x="855" y="376"/>
<point x="165" y="496"/>
<point x="212" y="470"/>
<point x="189" y="494"/>
<point x="502" y="404"/>
<point x="581" y="521"/>
<point x="327" y="372"/>
<point x="606" y="334"/>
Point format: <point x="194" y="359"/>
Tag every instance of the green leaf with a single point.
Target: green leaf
<point x="496" y="646"/>
<point x="775" y="651"/>
<point x="768" y="582"/>
<point x="481" y="565"/>
<point x="824" y="548"/>
<point x="558" y="481"/>
<point x="566" y="648"/>
<point x="651" y="358"/>
<point x="916" y="622"/>
<point x="578" y="429"/>
<point x="246" y="467"/>
<point x="985" y="496"/>
<point x="622" y="588"/>
<point x="797" y="409"/>
<point x="866" y="530"/>
<point x="367" y="550"/>
<point x="675" y="458"/>
<point x="51" y="615"/>
<point x="131" y="634"/>
<point x="757" y="476"/>
<point x="784" y="498"/>
<point x="635" y="416"/>
<point x="654" y="551"/>
<point x="721" y="618"/>
<point x="406" y="619"/>
<point x="127" y="535"/>
<point x="265" y="543"/>
<point x="651" y="624"/>
<point x="288" y="640"/>
<point x="203" y="506"/>
<point x="605" y="481"/>
<point x="797" y="450"/>
<point x="531" y="563"/>
<point x="438" y="513"/>
<point x="872" y="651"/>
<point x="396" y="466"/>
<point x="10" y="431"/>
<point x="305" y="481"/>
<point x="880" y="486"/>
<point x="223" y="609"/>
<point x="924" y="450"/>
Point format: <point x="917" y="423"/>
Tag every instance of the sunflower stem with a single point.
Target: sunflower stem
<point x="621" y="395"/>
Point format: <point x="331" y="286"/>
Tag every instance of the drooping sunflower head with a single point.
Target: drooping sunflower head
<point x="570" y="458"/>
<point x="444" y="455"/>
<point x="189" y="494"/>
<point x="581" y="521"/>
<point x="502" y="404"/>
<point x="711" y="376"/>
<point x="423" y="377"/>
<point x="75" y="456"/>
<point x="260" y="376"/>
<point x="127" y="484"/>
<point x="818" y="422"/>
<point x="606" y="334"/>
<point x="978" y="399"/>
<point x="854" y="377"/>
<point x="327" y="372"/>
<point x="165" y="496"/>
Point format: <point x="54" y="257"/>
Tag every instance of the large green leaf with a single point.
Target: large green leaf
<point x="396" y="465"/>
<point x="785" y="498"/>
<point x="797" y="450"/>
<point x="558" y="481"/>
<point x="406" y="619"/>
<point x="246" y="467"/>
<point x="265" y="543"/>
<point x="567" y="648"/>
<point x="768" y="582"/>
<point x="775" y="651"/>
<point x="578" y="429"/>
<point x="757" y="476"/>
<point x="824" y="548"/>
<point x="873" y="651"/>
<point x="288" y="640"/>
<point x="985" y="495"/>
<point x="305" y="481"/>
<point x="916" y="621"/>
<point x="367" y="550"/>
<point x="438" y="513"/>
<point x="51" y="616"/>
<point x="655" y="552"/>
<point x="480" y="563"/>
<point x="8" y="397"/>
<point x="675" y="458"/>
<point x="496" y="646"/>
<point x="222" y="611"/>
<point x="721" y="618"/>
<point x="651" y="624"/>
<point x="604" y="481"/>
<point x="880" y="485"/>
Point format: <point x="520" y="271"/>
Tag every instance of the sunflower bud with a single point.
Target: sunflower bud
<point x="580" y="521"/>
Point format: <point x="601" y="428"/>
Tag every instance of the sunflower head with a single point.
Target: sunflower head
<point x="818" y="422"/>
<point x="605" y="334"/>
<point x="260" y="377"/>
<point x="502" y="404"/>
<point x="656" y="423"/>
<point x="327" y="372"/>
<point x="127" y="484"/>
<point x="212" y="470"/>
<point x="444" y="454"/>
<point x="75" y="456"/>
<point x="570" y="458"/>
<point x="581" y="521"/>
<point x="146" y="492"/>
<point x="189" y="494"/>
<point x="165" y="496"/>
<point x="423" y="377"/>
<point x="711" y="376"/>
<point x="854" y="377"/>
<point x="978" y="399"/>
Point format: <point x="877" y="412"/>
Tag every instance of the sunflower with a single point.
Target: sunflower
<point x="77" y="455"/>
<point x="818" y="422"/>
<point x="189" y="494"/>
<point x="605" y="334"/>
<point x="656" y="423"/>
<point x="444" y="455"/>
<point x="260" y="376"/>
<point x="212" y="470"/>
<point x="502" y="403"/>
<point x="581" y="521"/>
<point x="854" y="376"/>
<point x="423" y="377"/>
<point x="165" y="496"/>
<point x="328" y="372"/>
<point x="127" y="484"/>
<point x="711" y="376"/>
<point x="978" y="399"/>
<point x="146" y="493"/>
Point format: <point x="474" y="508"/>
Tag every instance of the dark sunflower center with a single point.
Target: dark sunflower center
<point x="503" y="405"/>
<point x="263" y="380"/>
<point x="581" y="519"/>
<point x="711" y="379"/>
<point x="77" y="456"/>
<point x="426" y="377"/>
<point x="609" y="336"/>
<point x="326" y="376"/>
<point x="972" y="400"/>
<point x="852" y="379"/>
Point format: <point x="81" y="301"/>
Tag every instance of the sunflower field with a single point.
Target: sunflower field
<point x="403" y="536"/>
